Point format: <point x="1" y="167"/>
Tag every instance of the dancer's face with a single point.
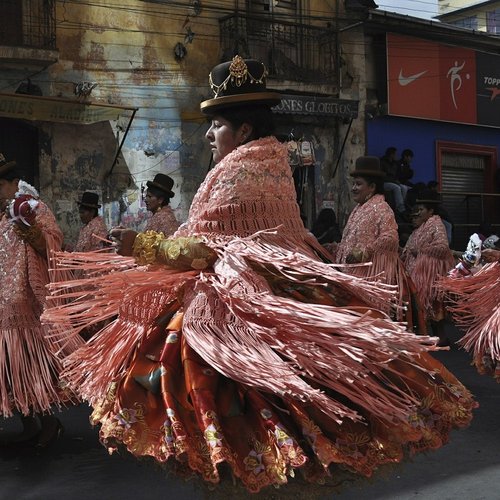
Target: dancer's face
<point x="362" y="190"/>
<point x="153" y="203"/>
<point x="421" y="215"/>
<point x="86" y="214"/>
<point x="223" y="138"/>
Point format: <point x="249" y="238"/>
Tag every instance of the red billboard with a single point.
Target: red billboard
<point x="441" y="82"/>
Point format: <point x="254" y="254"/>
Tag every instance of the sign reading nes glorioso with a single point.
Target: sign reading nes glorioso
<point x="318" y="106"/>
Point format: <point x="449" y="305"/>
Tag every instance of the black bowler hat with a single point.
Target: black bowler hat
<point x="162" y="182"/>
<point x="428" y="198"/>
<point x="367" y="166"/>
<point x="5" y="166"/>
<point x="89" y="200"/>
<point x="237" y="82"/>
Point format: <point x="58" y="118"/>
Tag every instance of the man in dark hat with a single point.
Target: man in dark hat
<point x="94" y="230"/>
<point x="29" y="368"/>
<point x="157" y="200"/>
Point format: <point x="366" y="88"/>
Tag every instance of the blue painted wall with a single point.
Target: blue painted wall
<point x="420" y="136"/>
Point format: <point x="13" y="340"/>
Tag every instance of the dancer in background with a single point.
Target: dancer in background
<point x="427" y="257"/>
<point x="473" y="299"/>
<point x="29" y="359"/>
<point x="371" y="236"/>
<point x="158" y="197"/>
<point x="94" y="231"/>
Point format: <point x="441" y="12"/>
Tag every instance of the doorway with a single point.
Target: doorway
<point x="466" y="176"/>
<point x="19" y="142"/>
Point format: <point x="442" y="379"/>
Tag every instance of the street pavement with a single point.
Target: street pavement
<point x="77" y="467"/>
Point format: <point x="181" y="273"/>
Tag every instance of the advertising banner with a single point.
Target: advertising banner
<point x="442" y="82"/>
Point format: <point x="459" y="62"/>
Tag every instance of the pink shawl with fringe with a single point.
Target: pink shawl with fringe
<point x="29" y="360"/>
<point x="232" y="319"/>
<point x="474" y="302"/>
<point x="163" y="221"/>
<point x="372" y="229"/>
<point x="427" y="257"/>
<point x="87" y="240"/>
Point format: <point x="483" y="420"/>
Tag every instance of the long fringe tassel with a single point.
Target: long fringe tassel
<point x="296" y="261"/>
<point x="425" y="275"/>
<point x="474" y="302"/>
<point x="344" y="350"/>
<point x="133" y="299"/>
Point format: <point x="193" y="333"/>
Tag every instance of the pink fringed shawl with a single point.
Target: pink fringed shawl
<point x="91" y="235"/>
<point x="474" y="302"/>
<point x="427" y="257"/>
<point x="29" y="361"/>
<point x="246" y="211"/>
<point x="163" y="221"/>
<point x="372" y="229"/>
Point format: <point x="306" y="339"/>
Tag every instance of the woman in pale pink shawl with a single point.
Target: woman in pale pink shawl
<point x="235" y="342"/>
<point x="427" y="258"/>
<point x="29" y="360"/>
<point x="371" y="234"/>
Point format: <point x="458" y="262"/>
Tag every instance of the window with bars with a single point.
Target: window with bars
<point x="28" y="23"/>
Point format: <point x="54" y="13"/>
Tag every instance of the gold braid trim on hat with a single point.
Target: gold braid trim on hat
<point x="238" y="75"/>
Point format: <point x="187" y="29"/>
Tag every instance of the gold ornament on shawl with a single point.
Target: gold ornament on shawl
<point x="185" y="253"/>
<point x="238" y="75"/>
<point x="145" y="247"/>
<point x="151" y="247"/>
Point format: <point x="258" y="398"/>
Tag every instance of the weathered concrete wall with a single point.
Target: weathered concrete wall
<point x="128" y="49"/>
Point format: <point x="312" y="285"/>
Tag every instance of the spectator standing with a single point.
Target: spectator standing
<point x="405" y="172"/>
<point x="389" y="166"/>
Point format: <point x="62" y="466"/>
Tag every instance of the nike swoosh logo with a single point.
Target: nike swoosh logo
<point x="494" y="92"/>
<point x="406" y="80"/>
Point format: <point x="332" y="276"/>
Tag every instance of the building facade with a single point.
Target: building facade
<point x="436" y="91"/>
<point x="101" y="97"/>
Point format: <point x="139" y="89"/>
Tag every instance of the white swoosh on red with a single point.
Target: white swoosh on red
<point x="406" y="80"/>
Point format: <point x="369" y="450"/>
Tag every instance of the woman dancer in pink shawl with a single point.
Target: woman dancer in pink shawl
<point x="427" y="258"/>
<point x="371" y="236"/>
<point x="94" y="231"/>
<point x="236" y="343"/>
<point x="158" y="197"/>
<point x="29" y="361"/>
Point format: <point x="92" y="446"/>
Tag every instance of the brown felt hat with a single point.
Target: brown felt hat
<point x="238" y="82"/>
<point x="367" y="166"/>
<point x="89" y="200"/>
<point x="428" y="198"/>
<point x="164" y="183"/>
